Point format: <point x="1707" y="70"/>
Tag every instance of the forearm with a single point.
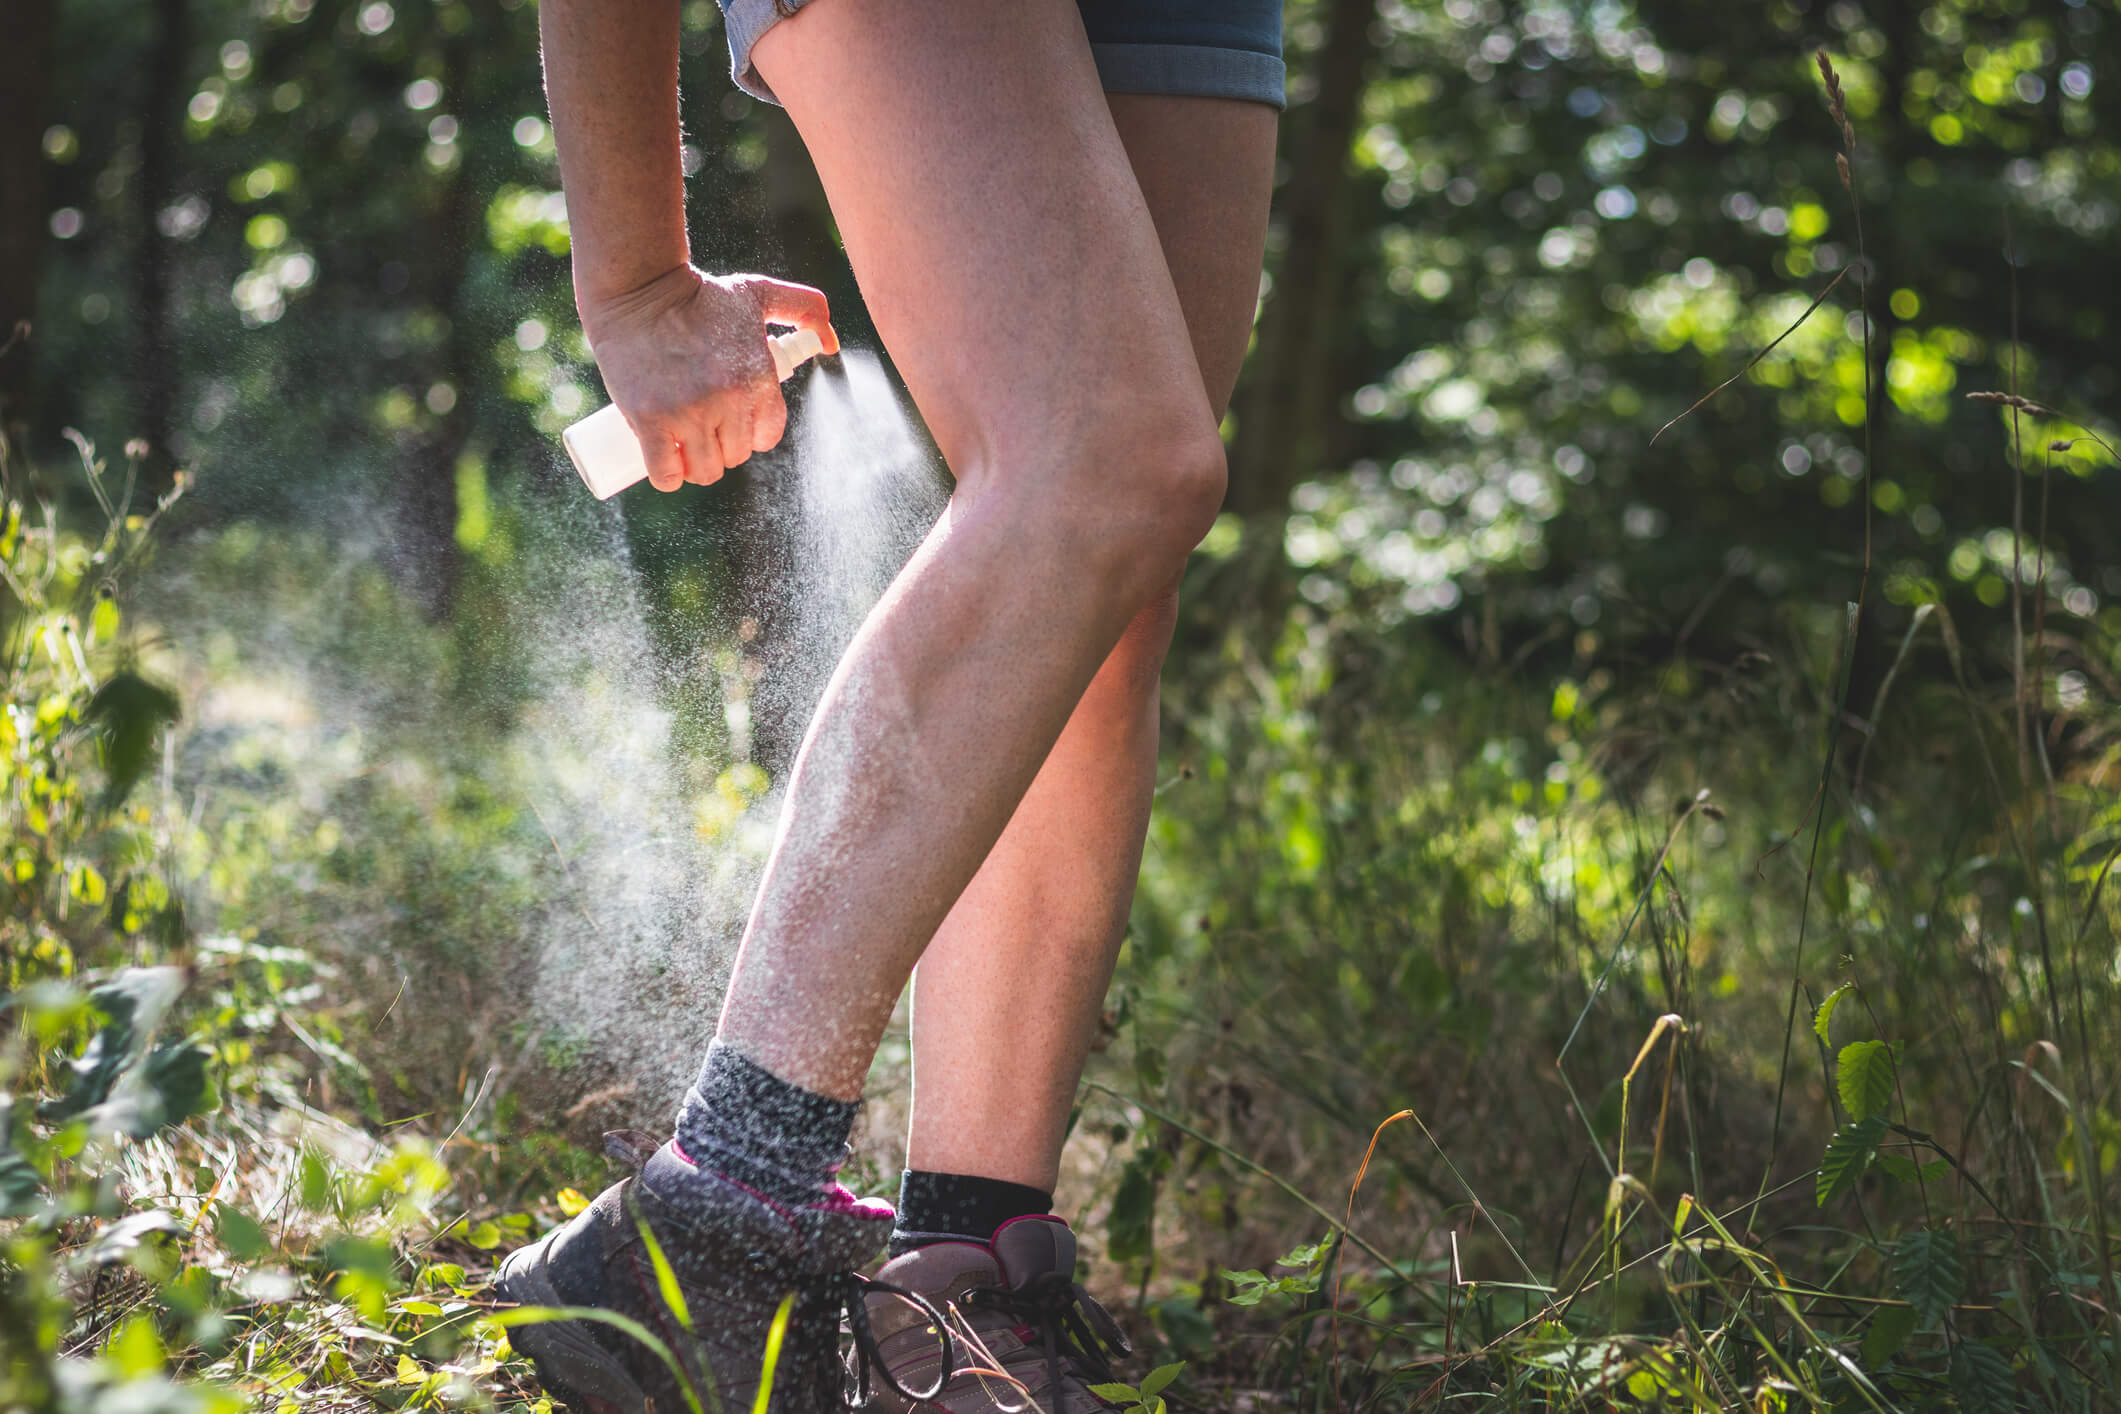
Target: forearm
<point x="611" y="78"/>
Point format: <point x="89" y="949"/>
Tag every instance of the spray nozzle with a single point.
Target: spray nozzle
<point x="607" y="454"/>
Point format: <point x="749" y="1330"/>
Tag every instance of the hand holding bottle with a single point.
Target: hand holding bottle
<point x="693" y="375"/>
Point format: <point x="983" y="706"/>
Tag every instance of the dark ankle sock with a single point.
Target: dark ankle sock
<point x="958" y="1207"/>
<point x="746" y="1123"/>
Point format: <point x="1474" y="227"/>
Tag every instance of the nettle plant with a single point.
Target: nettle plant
<point x="1926" y="1272"/>
<point x="84" y="1066"/>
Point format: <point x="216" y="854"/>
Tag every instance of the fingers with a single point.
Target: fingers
<point x="735" y="432"/>
<point x="706" y="392"/>
<point x="713" y="444"/>
<point x="666" y="463"/>
<point x="769" y="419"/>
<point x="781" y="302"/>
<point x="703" y="461"/>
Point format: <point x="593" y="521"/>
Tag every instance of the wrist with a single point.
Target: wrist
<point x="609" y="305"/>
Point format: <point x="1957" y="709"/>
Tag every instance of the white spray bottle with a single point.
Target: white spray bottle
<point x="608" y="455"/>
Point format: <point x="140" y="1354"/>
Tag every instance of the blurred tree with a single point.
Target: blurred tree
<point x="1573" y="221"/>
<point x="159" y="125"/>
<point x="1511" y="240"/>
<point x="25" y="75"/>
<point x="1291" y="402"/>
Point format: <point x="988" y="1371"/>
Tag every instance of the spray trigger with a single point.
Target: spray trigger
<point x="607" y="454"/>
<point x="793" y="349"/>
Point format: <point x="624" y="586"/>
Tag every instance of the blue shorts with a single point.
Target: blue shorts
<point x="1192" y="48"/>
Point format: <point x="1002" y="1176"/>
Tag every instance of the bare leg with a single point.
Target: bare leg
<point x="1011" y="264"/>
<point x="1007" y="997"/>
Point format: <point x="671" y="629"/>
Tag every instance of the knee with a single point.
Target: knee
<point x="1186" y="474"/>
<point x="1144" y="491"/>
<point x="1200" y="479"/>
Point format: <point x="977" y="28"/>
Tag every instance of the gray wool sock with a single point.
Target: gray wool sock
<point x="746" y="1123"/>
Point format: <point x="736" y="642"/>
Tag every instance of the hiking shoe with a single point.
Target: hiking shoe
<point x="734" y="1254"/>
<point x="1019" y="1324"/>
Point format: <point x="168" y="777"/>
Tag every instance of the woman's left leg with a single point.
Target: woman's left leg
<point x="1007" y="997"/>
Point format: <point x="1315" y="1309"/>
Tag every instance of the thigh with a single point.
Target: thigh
<point x="1205" y="166"/>
<point x="991" y="215"/>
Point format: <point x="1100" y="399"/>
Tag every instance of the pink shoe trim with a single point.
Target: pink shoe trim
<point x="841" y="1199"/>
<point x="838" y="1198"/>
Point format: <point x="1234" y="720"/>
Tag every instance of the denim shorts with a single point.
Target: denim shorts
<point x="1191" y="48"/>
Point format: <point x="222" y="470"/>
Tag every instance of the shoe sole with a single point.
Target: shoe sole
<point x="570" y="1361"/>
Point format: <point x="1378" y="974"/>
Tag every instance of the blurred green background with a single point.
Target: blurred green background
<point x="461" y="756"/>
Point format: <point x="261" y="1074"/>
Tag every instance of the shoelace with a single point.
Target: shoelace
<point x="849" y="1292"/>
<point x="1072" y="1327"/>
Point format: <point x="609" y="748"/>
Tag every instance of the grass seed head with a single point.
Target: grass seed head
<point x="2012" y="400"/>
<point x="1836" y="104"/>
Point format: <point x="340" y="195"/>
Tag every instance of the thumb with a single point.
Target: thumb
<point x="782" y="302"/>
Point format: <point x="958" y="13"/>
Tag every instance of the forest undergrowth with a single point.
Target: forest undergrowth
<point x="1597" y="1025"/>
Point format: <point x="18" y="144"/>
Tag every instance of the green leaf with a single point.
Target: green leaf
<point x="1864" y="1077"/>
<point x="1908" y="1171"/>
<point x="131" y="1003"/>
<point x="136" y="1350"/>
<point x="1889" y="1330"/>
<point x="1116" y="1394"/>
<point x="762" y="1399"/>
<point x="1982" y="1380"/>
<point x="121" y="1240"/>
<point x="1823" y="1018"/>
<point x="316" y="1182"/>
<point x="1306" y="1255"/>
<point x="240" y="1233"/>
<point x="538" y="1315"/>
<point x="176" y="1081"/>
<point x="1897" y="1166"/>
<point x="1159" y="1377"/>
<point x="485" y="1236"/>
<point x="666" y="1280"/>
<point x="1847" y="1153"/>
<point x="21" y="1182"/>
<point x="1131" y="1224"/>
<point x="121" y="1085"/>
<point x="128" y="712"/>
<point x="1927" y="1274"/>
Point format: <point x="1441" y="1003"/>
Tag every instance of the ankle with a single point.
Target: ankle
<point x="955" y="1207"/>
<point x="749" y="1125"/>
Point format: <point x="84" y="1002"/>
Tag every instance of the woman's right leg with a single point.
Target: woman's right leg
<point x="1007" y="997"/>
<point x="1010" y="263"/>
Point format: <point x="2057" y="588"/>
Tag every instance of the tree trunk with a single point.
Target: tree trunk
<point x="154" y="361"/>
<point x="430" y="558"/>
<point x="25" y="74"/>
<point x="1284" y="418"/>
